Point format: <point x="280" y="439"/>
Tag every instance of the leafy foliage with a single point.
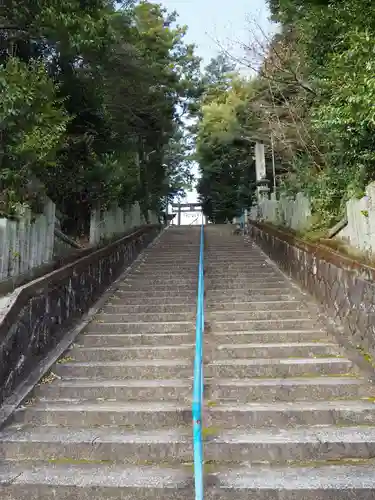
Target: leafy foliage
<point x="228" y="123"/>
<point x="332" y="158"/>
<point x="93" y="103"/>
<point x="33" y="123"/>
<point x="313" y="96"/>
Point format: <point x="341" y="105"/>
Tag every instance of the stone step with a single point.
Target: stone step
<point x="251" y="336"/>
<point x="170" y="260"/>
<point x="142" y="317"/>
<point x="177" y="246"/>
<point x="134" y="352"/>
<point x="218" y="264"/>
<point x="134" y="369"/>
<point x="280" y="446"/>
<point x="276" y="350"/>
<point x="99" y="444"/>
<point x="175" y="249"/>
<point x="145" y="301"/>
<point x="240" y="295"/>
<point x="330" y="482"/>
<point x="146" y="415"/>
<point x="241" y="274"/>
<point x="120" y="390"/>
<point x="247" y="368"/>
<point x="243" y="270"/>
<point x="171" y="252"/>
<point x="145" y="327"/>
<point x="221" y="261"/>
<point x="144" y="268"/>
<point x="145" y="272"/>
<point x="121" y="307"/>
<point x="144" y="287"/>
<point x="263" y="325"/>
<point x="286" y="415"/>
<point x="178" y="280"/>
<point x="148" y="296"/>
<point x="167" y="263"/>
<point x="287" y="389"/>
<point x="220" y="250"/>
<point x="244" y="281"/>
<point x="262" y="306"/>
<point x="256" y="300"/>
<point x="275" y="314"/>
<point x="160" y="284"/>
<point x="250" y="287"/>
<point x="120" y="340"/>
<point x="96" y="482"/>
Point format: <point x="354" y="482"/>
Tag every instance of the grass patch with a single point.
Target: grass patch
<point x="211" y="404"/>
<point x="366" y="355"/>
<point x="210" y="432"/>
<point x="369" y="399"/>
<point x="49" y="378"/>
<point x="338" y="245"/>
<point x="65" y="359"/>
<point x="324" y="356"/>
<point x="337" y="461"/>
<point x="77" y="461"/>
<point x="313" y="375"/>
<point x="209" y="466"/>
<point x="30" y="402"/>
<point x="319" y="237"/>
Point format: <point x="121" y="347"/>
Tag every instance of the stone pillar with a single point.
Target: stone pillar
<point x="179" y="215"/>
<point x="260" y="168"/>
<point x="166" y="211"/>
<point x="95" y="221"/>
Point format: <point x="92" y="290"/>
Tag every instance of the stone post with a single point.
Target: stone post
<point x="261" y="180"/>
<point x="260" y="168"/>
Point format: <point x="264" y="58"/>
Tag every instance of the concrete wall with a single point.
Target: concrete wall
<point x="105" y="224"/>
<point x="360" y="229"/>
<point x="345" y="288"/>
<point x="37" y="316"/>
<point x="26" y="243"/>
<point x="293" y="213"/>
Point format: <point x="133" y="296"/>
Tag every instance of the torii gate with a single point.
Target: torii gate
<point x="187" y="208"/>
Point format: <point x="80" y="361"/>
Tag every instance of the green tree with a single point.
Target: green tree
<point x="120" y="78"/>
<point x="33" y="122"/>
<point x="224" y="147"/>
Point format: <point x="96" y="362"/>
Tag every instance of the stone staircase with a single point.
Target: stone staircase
<point x="113" y="420"/>
<point x="287" y="415"/>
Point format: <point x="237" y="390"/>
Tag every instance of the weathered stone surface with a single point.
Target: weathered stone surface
<point x="345" y="288"/>
<point x="98" y="482"/>
<point x="119" y="390"/>
<point x="98" y="444"/>
<point x="340" y="482"/>
<point x="287" y="389"/>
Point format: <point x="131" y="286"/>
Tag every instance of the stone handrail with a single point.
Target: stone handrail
<point x="36" y="317"/>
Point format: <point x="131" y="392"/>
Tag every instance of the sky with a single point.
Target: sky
<point x="214" y="25"/>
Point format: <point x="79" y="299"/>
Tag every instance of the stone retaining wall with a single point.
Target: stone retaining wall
<point x="38" y="315"/>
<point x="343" y="286"/>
